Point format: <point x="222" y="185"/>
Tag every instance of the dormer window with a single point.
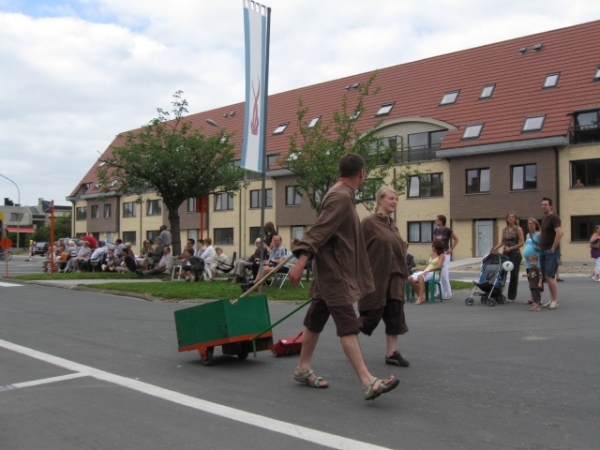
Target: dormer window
<point x="551" y="80"/>
<point x="281" y="128"/>
<point x="449" y="98"/>
<point x="487" y="91"/>
<point x="472" y="131"/>
<point x="385" y="109"/>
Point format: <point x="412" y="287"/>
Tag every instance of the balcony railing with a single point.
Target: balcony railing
<point x="583" y="135"/>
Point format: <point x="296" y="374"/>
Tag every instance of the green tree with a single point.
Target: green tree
<point x="174" y="159"/>
<point x="315" y="151"/>
<point x="62" y="228"/>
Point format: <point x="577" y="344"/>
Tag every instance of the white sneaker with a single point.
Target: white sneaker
<point x="553" y="305"/>
<point x="546" y="304"/>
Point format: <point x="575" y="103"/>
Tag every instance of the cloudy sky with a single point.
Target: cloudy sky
<point x="75" y="73"/>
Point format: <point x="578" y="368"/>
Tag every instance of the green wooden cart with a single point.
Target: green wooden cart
<point x="231" y="324"/>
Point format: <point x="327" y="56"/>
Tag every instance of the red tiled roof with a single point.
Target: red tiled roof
<point x="418" y="87"/>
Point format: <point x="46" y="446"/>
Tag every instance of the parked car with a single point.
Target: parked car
<point x="41" y="248"/>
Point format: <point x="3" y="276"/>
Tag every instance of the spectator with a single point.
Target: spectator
<point x="219" y="261"/>
<point x="98" y="255"/>
<point x="165" y="235"/>
<point x="276" y="255"/>
<point x="112" y="261"/>
<point x="201" y="248"/>
<point x="208" y="254"/>
<point x="83" y="256"/>
<point x="153" y="256"/>
<point x="595" y="252"/>
<point x="129" y="263"/>
<point x="270" y="231"/>
<point x="191" y="266"/>
<point x="91" y="240"/>
<point x="579" y="184"/>
<point x="119" y="246"/>
<point x="161" y="266"/>
<point x="252" y="263"/>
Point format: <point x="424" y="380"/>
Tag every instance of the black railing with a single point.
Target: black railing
<point x="583" y="135"/>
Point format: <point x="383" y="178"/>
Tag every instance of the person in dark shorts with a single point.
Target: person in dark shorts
<point x="342" y="276"/>
<point x="550" y="235"/>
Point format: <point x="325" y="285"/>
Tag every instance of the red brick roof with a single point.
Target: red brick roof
<point x="418" y="87"/>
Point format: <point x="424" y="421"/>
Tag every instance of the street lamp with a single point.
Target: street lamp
<point x="19" y="202"/>
<point x="212" y="123"/>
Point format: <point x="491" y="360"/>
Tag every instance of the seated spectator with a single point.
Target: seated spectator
<point x="201" y="248"/>
<point x="119" y="246"/>
<point x="60" y="257"/>
<point x="191" y="266"/>
<point x="189" y="245"/>
<point x="83" y="256"/>
<point x="153" y="256"/>
<point x="252" y="263"/>
<point x="129" y="263"/>
<point x="276" y="255"/>
<point x="98" y="255"/>
<point x="92" y="241"/>
<point x="112" y="261"/>
<point x="208" y="254"/>
<point x="146" y="247"/>
<point x="219" y="262"/>
<point x="161" y="266"/>
<point x="410" y="260"/>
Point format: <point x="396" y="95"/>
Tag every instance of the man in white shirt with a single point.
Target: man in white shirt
<point x="161" y="266"/>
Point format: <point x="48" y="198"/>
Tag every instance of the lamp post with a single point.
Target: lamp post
<point x="19" y="202"/>
<point x="212" y="123"/>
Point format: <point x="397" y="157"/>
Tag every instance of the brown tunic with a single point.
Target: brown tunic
<point x="342" y="274"/>
<point x="385" y="249"/>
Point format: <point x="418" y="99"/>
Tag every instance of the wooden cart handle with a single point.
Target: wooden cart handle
<point x="263" y="279"/>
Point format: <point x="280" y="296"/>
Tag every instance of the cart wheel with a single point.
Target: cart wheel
<point x="469" y="301"/>
<point x="242" y="352"/>
<point x="209" y="361"/>
<point x="491" y="302"/>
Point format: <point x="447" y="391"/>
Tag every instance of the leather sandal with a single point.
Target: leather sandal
<point x="304" y="378"/>
<point x="384" y="386"/>
<point x="420" y="301"/>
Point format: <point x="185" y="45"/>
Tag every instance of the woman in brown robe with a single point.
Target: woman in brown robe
<point x="387" y="257"/>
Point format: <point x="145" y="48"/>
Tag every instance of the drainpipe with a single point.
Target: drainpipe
<point x="557" y="210"/>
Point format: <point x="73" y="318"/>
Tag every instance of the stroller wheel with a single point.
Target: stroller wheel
<point x="491" y="302"/>
<point x="483" y="301"/>
<point x="501" y="299"/>
<point x="469" y="301"/>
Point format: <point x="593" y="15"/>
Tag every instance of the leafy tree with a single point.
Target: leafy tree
<point x="174" y="159"/>
<point x="315" y="152"/>
<point x="62" y="228"/>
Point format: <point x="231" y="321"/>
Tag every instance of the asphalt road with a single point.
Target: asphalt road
<point x="480" y="378"/>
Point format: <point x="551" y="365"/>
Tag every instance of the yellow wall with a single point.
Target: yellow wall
<point x="80" y="225"/>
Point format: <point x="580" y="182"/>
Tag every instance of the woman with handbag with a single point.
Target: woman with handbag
<point x="532" y="245"/>
<point x="595" y="252"/>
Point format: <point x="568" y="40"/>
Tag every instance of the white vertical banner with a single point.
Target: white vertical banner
<point x="256" y="29"/>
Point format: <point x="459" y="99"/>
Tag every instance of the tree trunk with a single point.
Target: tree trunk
<point x="175" y="230"/>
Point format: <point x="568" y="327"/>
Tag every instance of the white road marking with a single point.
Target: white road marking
<point x="296" y="431"/>
<point x="25" y="384"/>
<point x="3" y="284"/>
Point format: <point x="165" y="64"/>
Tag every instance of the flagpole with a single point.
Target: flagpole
<point x="264" y="143"/>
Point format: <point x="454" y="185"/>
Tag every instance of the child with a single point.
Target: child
<point x="534" y="275"/>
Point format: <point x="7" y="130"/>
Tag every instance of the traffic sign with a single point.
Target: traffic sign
<point x="5" y="243"/>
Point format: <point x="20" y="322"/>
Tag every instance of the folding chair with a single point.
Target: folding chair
<point x="283" y="276"/>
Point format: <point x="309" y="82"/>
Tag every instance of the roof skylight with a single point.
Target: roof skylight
<point x="597" y="76"/>
<point x="534" y="123"/>
<point x="487" y="91"/>
<point x="356" y="114"/>
<point x="551" y="80"/>
<point x="385" y="109"/>
<point x="472" y="131"/>
<point x="449" y="98"/>
<point x="313" y="122"/>
<point x="281" y="128"/>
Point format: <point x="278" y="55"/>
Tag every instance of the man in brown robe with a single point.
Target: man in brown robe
<point x="342" y="276"/>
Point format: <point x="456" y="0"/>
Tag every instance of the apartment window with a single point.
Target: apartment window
<point x="430" y="139"/>
<point x="385" y="109"/>
<point x="297" y="231"/>
<point x="129" y="209"/>
<point x="472" y="131"/>
<point x="153" y="207"/>
<point x="534" y="123"/>
<point x="421" y="231"/>
<point x="313" y="122"/>
<point x="223" y="201"/>
<point x="223" y="236"/>
<point x="586" y="127"/>
<point x="449" y="98"/>
<point x="191" y="205"/>
<point x="478" y="181"/>
<point x="255" y="198"/>
<point x="368" y="190"/>
<point x="292" y="197"/>
<point x="254" y="234"/>
<point x="523" y="177"/>
<point x="106" y="210"/>
<point x="152" y="235"/>
<point x="585" y="172"/>
<point x="551" y="80"/>
<point x="129" y="236"/>
<point x="582" y="227"/>
<point x="14" y="217"/>
<point x="487" y="91"/>
<point x="94" y="211"/>
<point x="271" y="160"/>
<point x="428" y="185"/>
<point x="281" y="128"/>
<point x="81" y="213"/>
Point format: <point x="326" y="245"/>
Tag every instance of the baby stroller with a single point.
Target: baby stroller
<point x="491" y="281"/>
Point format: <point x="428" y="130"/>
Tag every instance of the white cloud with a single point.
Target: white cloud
<point x="77" y="72"/>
